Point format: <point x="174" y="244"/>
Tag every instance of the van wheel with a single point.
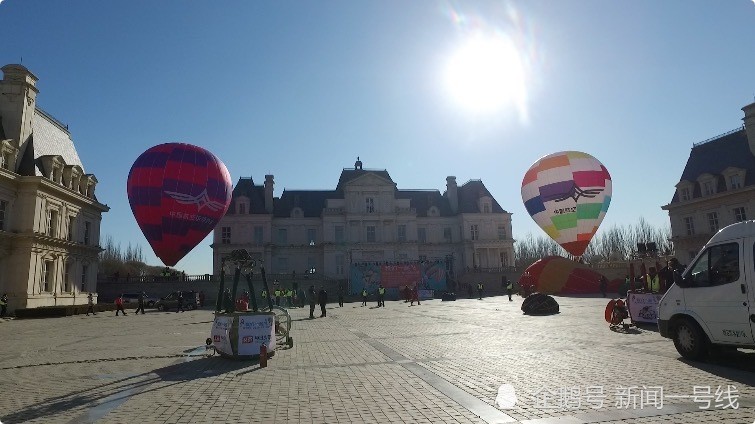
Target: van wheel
<point x="690" y="340"/>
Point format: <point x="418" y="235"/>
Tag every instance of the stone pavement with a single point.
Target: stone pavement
<point x="438" y="362"/>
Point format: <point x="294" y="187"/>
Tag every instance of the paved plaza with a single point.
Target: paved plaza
<point x="438" y="362"/>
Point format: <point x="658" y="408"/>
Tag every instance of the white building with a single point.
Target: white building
<point x="365" y="218"/>
<point x="717" y="188"/>
<point x="49" y="215"/>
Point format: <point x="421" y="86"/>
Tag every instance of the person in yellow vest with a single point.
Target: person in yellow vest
<point x="288" y="297"/>
<point x="381" y="296"/>
<point x="479" y="289"/>
<point x="653" y="281"/>
<point x="364" y="296"/>
<point x="277" y="297"/>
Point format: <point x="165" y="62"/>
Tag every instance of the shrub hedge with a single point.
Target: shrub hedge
<point x="61" y="311"/>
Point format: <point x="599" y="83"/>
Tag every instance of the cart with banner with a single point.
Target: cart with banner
<point x="643" y="306"/>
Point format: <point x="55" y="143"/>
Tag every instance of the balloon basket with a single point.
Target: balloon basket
<point x="240" y="335"/>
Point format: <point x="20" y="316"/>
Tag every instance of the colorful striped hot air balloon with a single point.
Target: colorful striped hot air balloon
<point x="568" y="194"/>
<point x="178" y="193"/>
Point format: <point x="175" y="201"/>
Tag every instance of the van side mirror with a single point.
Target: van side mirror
<point x="680" y="281"/>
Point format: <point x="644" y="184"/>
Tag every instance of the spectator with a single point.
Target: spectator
<point x="312" y="301"/>
<point x="322" y="297"/>
<point x="90" y="302"/>
<point x="119" y="305"/>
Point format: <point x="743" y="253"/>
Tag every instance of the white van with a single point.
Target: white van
<point x="712" y="305"/>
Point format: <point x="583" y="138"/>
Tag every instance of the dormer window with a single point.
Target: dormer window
<point x="242" y="208"/>
<point x="433" y="211"/>
<point x="708" y="184"/>
<point x="735" y="182"/>
<point x="486" y="207"/>
<point x="7" y="156"/>
<point x="708" y="188"/>
<point x="684" y="194"/>
<point x="297" y="213"/>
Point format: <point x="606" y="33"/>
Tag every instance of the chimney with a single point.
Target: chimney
<point x="18" y="96"/>
<point x="452" y="193"/>
<point x="269" y="193"/>
<point x="749" y="119"/>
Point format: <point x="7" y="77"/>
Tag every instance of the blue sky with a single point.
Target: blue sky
<point x="299" y="89"/>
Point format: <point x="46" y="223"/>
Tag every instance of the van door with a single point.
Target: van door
<point x="716" y="291"/>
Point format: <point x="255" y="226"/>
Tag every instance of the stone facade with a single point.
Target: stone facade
<point x="366" y="218"/>
<point x="49" y="215"/>
<point x="717" y="188"/>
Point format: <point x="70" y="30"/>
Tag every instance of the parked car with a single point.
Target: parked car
<point x="191" y="301"/>
<point x="133" y="298"/>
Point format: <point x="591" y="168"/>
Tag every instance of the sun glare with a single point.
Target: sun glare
<point x="486" y="74"/>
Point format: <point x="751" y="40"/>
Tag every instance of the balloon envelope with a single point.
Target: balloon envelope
<point x="568" y="194"/>
<point x="178" y="192"/>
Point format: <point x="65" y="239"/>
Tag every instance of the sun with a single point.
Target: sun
<point x="485" y="74"/>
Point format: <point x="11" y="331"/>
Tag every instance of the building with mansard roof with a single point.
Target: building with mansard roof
<point x="366" y="218"/>
<point x="49" y="214"/>
<point x="716" y="189"/>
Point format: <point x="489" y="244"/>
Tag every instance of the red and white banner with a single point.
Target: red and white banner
<point x="254" y="331"/>
<point x="220" y="334"/>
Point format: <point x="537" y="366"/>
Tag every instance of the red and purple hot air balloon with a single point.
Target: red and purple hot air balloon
<point x="178" y="192"/>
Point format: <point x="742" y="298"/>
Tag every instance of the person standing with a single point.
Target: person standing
<point x="415" y="295"/>
<point x="140" y="305"/>
<point x="603" y="285"/>
<point x="653" y="281"/>
<point x="509" y="288"/>
<point x="407" y="294"/>
<point x="277" y="296"/>
<point x="340" y="297"/>
<point x="90" y="302"/>
<point x="3" y="305"/>
<point x="180" y="305"/>
<point x="322" y="297"/>
<point x="480" y="287"/>
<point x="312" y="301"/>
<point x="381" y="296"/>
<point x="119" y="305"/>
<point x="364" y="296"/>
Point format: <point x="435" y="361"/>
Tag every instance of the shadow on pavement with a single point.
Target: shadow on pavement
<point x="729" y="365"/>
<point x="99" y="400"/>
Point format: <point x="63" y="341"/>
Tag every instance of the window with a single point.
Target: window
<point x="242" y="208"/>
<point x="87" y="231"/>
<point x="47" y="274"/>
<point x="52" y="223"/>
<point x="339" y="238"/>
<point x="311" y="264"/>
<point x="5" y="160"/>
<point x="71" y="222"/>
<point x="684" y="193"/>
<point x="402" y="232"/>
<point x="486" y="208"/>
<point x="504" y="259"/>
<point x="311" y="236"/>
<point x="690" y="225"/>
<point x="735" y="181"/>
<point x="447" y="234"/>
<point x="258" y="236"/>
<point x="713" y="221"/>
<point x="739" y="214"/>
<point x="718" y="265"/>
<point x="225" y="235"/>
<point x="84" y="270"/>
<point x="501" y="232"/>
<point x="282" y="236"/>
<point x="370" y="233"/>
<point x="475" y="232"/>
<point x="282" y="264"/>
<point x="370" y="205"/>
<point x="3" y="208"/>
<point x="67" y="283"/>
<point x="708" y="188"/>
<point x="339" y="264"/>
<point x="422" y="235"/>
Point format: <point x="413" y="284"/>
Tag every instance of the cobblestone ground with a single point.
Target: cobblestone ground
<point x="438" y="362"/>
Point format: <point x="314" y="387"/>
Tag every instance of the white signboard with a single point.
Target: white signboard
<point x="220" y="334"/>
<point x="254" y="331"/>
<point x="643" y="307"/>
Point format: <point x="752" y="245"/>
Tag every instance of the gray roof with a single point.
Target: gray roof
<point x="422" y="200"/>
<point x="49" y="137"/>
<point x="713" y="157"/>
<point x="470" y="193"/>
<point x="351" y="174"/>
<point x="312" y="202"/>
<point x="256" y="195"/>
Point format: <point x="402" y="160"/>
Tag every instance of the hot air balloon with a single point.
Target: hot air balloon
<point x="568" y="194"/>
<point x="178" y="192"/>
